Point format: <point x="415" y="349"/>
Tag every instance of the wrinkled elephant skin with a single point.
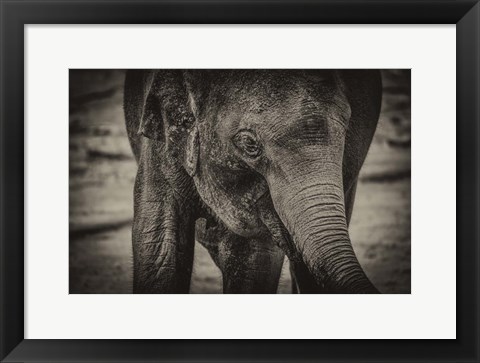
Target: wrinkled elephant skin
<point x="255" y="164"/>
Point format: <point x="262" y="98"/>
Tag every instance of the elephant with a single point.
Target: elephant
<point x="256" y="165"/>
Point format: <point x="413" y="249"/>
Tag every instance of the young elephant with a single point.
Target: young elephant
<point x="269" y="159"/>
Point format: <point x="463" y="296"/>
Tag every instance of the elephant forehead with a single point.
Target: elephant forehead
<point x="273" y="83"/>
<point x="260" y="97"/>
<point x="279" y="108"/>
<point x="269" y="117"/>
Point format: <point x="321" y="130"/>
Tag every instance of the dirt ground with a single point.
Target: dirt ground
<point x="102" y="172"/>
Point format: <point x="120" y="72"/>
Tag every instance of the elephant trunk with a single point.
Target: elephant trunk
<point x="311" y="206"/>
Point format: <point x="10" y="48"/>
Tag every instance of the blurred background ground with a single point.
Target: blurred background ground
<point x="102" y="172"/>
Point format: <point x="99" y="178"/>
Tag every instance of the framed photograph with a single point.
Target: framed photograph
<point x="239" y="181"/>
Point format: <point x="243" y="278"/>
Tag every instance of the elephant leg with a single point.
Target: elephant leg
<point x="303" y="280"/>
<point x="163" y="244"/>
<point x="248" y="266"/>
<point x="163" y="234"/>
<point x="294" y="280"/>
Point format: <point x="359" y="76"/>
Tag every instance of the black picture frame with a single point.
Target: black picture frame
<point x="16" y="13"/>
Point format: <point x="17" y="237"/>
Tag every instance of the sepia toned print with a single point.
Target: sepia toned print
<point x="240" y="181"/>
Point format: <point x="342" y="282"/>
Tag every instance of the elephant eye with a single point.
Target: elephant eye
<point x="247" y="143"/>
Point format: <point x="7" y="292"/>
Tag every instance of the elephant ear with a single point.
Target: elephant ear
<point x="168" y="116"/>
<point x="197" y="83"/>
<point x="151" y="124"/>
<point x="192" y="152"/>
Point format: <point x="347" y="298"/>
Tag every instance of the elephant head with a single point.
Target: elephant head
<point x="272" y="152"/>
